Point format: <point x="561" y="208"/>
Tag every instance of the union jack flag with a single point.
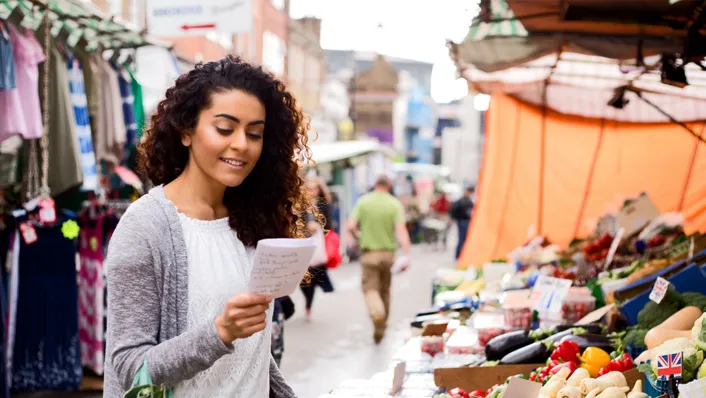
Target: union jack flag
<point x="669" y="365"/>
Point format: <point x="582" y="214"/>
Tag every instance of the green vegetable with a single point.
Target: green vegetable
<point x="635" y="336"/>
<point x="653" y="314"/>
<point x="490" y="363"/>
<point x="695" y="299"/>
<point x="636" y="265"/>
<point x="698" y="332"/>
<point x="646" y="369"/>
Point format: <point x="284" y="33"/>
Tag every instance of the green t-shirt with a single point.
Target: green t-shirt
<point x="377" y="214"/>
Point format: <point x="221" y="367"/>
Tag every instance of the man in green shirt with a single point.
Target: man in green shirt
<point x="378" y="220"/>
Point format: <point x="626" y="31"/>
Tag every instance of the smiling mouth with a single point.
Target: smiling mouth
<point x="234" y="163"/>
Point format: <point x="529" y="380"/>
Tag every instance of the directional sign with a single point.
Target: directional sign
<point x="170" y="18"/>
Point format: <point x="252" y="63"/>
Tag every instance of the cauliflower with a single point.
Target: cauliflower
<point x="698" y="333"/>
<point x="692" y="357"/>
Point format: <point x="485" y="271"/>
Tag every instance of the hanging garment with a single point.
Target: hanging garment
<point x="92" y="84"/>
<point x="28" y="55"/>
<point x="128" y="101"/>
<point x="12" y="121"/>
<point x="111" y="137"/>
<point x="47" y="352"/>
<point x="139" y="106"/>
<point x="83" y="126"/>
<point x="91" y="294"/>
<point x="64" y="154"/>
<point x="7" y="66"/>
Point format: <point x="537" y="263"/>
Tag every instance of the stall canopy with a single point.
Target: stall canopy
<point x="556" y="174"/>
<point x="340" y="150"/>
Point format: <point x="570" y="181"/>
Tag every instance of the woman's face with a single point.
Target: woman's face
<point x="227" y="141"/>
<point x="313" y="188"/>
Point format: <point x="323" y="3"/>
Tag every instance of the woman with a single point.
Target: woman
<point x="222" y="151"/>
<point x="320" y="201"/>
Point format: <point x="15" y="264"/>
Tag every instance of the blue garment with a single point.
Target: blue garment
<point x="462" y="232"/>
<point x="77" y="88"/>
<point x="7" y="61"/>
<point x="128" y="108"/>
<point x="47" y="353"/>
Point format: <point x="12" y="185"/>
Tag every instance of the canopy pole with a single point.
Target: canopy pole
<point x="689" y="173"/>
<point x="511" y="178"/>
<point x="589" y="181"/>
<point x="670" y="117"/>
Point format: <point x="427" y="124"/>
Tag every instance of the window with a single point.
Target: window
<point x="273" y="50"/>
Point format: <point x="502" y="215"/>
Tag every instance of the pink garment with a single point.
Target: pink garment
<point x="28" y="55"/>
<point x="91" y="302"/>
<point x="20" y="106"/>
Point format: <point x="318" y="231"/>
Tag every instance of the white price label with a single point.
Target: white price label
<point x="659" y="290"/>
<point x="691" y="248"/>
<point x="548" y="293"/>
<point x="694" y="389"/>
<point x="614" y="247"/>
<point x="398" y="378"/>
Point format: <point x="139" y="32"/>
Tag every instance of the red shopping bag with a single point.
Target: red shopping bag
<point x="333" y="249"/>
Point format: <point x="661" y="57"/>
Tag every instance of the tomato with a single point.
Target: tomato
<point x="459" y="392"/>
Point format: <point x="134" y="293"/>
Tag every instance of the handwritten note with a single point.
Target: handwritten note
<point x="280" y="265"/>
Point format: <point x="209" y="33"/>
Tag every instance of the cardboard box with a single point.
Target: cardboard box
<point x="482" y="378"/>
<point x="479" y="377"/>
<point x="635" y="216"/>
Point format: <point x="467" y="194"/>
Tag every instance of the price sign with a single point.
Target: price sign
<point x="398" y="378"/>
<point x="29" y="234"/>
<point x="659" y="290"/>
<point x="694" y="389"/>
<point x="47" y="211"/>
<point x="549" y="293"/>
<point x="614" y="247"/>
<point x="521" y="388"/>
<point x="691" y="248"/>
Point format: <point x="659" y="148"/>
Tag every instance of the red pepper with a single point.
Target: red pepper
<point x="566" y="365"/>
<point x="566" y="351"/>
<point x="620" y="364"/>
<point x="477" y="394"/>
<point x="627" y="362"/>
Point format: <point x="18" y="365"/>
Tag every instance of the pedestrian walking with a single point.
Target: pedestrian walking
<point x="318" y="274"/>
<point x="221" y="152"/>
<point x="461" y="213"/>
<point x="378" y="221"/>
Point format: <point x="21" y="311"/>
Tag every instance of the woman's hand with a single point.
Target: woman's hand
<point x="245" y="314"/>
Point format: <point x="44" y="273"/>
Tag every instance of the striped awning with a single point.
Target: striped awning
<point x="81" y="20"/>
<point x="502" y="24"/>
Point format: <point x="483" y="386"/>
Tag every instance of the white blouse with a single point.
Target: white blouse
<point x="219" y="267"/>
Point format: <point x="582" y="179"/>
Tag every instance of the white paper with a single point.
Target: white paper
<point x="550" y="293"/>
<point x="694" y="389"/>
<point x="398" y="378"/>
<point x="521" y="388"/>
<point x="659" y="290"/>
<point x="614" y="247"/>
<point x="280" y="265"/>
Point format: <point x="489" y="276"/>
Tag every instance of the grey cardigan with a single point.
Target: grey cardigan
<point x="147" y="273"/>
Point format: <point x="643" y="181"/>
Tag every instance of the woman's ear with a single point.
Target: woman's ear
<point x="186" y="139"/>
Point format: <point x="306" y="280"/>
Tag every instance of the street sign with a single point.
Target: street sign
<point x="170" y="18"/>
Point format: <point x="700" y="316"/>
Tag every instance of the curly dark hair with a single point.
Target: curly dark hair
<point x="271" y="200"/>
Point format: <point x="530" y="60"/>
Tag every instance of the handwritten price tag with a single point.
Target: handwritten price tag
<point x="549" y="293"/>
<point x="659" y="290"/>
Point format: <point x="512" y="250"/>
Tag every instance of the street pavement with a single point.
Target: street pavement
<point x="336" y="343"/>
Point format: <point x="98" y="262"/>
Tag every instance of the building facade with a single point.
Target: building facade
<point x="305" y="63"/>
<point x="374" y="93"/>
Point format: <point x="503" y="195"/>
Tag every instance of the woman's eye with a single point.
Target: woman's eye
<point x="223" y="131"/>
<point x="255" y="136"/>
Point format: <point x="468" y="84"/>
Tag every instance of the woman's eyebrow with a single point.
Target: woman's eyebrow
<point x="235" y="119"/>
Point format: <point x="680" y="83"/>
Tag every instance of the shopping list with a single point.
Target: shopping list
<point x="280" y="265"/>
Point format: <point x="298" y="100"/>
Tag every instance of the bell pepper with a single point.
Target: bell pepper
<point x="459" y="392"/>
<point x="566" y="365"/>
<point x="566" y="351"/>
<point x="620" y="364"/>
<point x="477" y="394"/>
<point x="593" y="360"/>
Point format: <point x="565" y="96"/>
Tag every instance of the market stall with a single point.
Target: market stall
<point x="72" y="110"/>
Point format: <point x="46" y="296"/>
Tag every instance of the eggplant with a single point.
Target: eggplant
<point x="592" y="328"/>
<point x="504" y="344"/>
<point x="537" y="352"/>
<point x="584" y="341"/>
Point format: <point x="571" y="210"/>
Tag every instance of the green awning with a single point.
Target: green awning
<point x="503" y="24"/>
<point x="80" y="19"/>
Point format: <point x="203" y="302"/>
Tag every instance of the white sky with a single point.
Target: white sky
<point x="414" y="29"/>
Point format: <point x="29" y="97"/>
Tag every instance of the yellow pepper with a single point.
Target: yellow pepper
<point x="594" y="359"/>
